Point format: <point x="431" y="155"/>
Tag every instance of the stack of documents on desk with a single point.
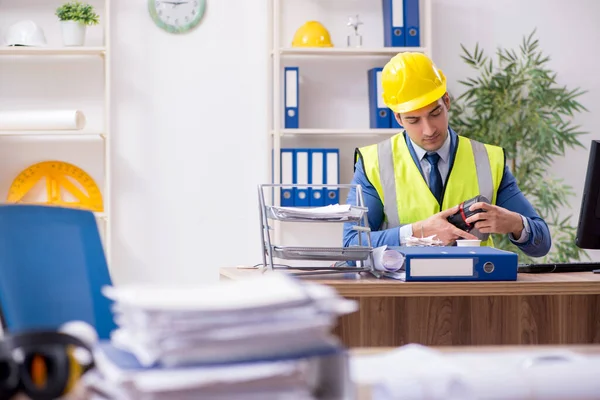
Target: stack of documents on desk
<point x="415" y="372"/>
<point x="119" y="375"/>
<point x="334" y="212"/>
<point x="423" y="241"/>
<point x="247" y="336"/>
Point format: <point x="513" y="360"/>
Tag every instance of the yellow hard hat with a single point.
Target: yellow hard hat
<point x="411" y="81"/>
<point x="312" y="34"/>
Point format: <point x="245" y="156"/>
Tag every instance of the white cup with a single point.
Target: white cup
<point x="468" y="242"/>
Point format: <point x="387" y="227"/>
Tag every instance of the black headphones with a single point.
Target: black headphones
<point x="40" y="364"/>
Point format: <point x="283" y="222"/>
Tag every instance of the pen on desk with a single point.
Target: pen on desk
<point x="597" y="271"/>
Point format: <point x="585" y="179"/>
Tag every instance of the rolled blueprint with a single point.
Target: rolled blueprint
<point x="39" y="120"/>
<point x="387" y="260"/>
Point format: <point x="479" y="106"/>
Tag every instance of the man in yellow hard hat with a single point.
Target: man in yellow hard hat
<point x="415" y="180"/>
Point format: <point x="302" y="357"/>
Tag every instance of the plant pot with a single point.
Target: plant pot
<point x="73" y="33"/>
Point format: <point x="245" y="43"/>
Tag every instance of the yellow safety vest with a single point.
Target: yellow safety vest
<point x="406" y="197"/>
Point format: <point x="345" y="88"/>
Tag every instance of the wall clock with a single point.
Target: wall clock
<point x="176" y="16"/>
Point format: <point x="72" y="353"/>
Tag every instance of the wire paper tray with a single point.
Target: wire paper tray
<point x="323" y="253"/>
<point x="354" y="214"/>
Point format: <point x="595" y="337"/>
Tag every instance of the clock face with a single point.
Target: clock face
<point x="176" y="16"/>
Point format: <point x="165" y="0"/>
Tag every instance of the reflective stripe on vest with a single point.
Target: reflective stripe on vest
<point x="388" y="179"/>
<point x="388" y="182"/>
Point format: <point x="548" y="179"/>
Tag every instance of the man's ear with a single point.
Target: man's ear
<point x="398" y="118"/>
<point x="446" y="99"/>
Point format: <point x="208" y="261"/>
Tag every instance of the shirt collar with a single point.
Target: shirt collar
<point x="443" y="152"/>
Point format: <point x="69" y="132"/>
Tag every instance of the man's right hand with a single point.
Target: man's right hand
<point x="439" y="226"/>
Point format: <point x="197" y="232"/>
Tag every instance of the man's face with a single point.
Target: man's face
<point x="427" y="126"/>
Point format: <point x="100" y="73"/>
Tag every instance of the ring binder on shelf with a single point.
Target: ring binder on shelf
<point x="291" y="95"/>
<point x="362" y="254"/>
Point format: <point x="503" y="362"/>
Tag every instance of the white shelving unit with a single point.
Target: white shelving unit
<point x="346" y="51"/>
<point x="53" y="51"/>
<point x="316" y="64"/>
<point x="336" y="132"/>
<point x="58" y="54"/>
<point x="280" y="50"/>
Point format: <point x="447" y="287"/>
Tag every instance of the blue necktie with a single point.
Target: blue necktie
<point x="435" y="178"/>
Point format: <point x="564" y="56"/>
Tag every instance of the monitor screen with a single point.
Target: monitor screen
<point x="588" y="230"/>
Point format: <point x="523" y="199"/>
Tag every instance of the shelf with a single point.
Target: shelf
<point x="51" y="51"/>
<point x="52" y="133"/>
<point x="338" y="132"/>
<point x="346" y="51"/>
<point x="95" y="58"/>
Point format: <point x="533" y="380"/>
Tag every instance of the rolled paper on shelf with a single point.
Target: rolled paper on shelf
<point x="40" y="120"/>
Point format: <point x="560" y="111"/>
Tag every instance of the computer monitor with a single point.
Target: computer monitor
<point x="588" y="230"/>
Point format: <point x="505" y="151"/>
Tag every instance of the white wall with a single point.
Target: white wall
<point x="189" y="122"/>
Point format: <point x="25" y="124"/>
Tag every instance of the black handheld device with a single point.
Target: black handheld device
<point x="459" y="219"/>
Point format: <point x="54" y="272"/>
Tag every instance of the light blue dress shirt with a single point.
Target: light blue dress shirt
<point x="535" y="239"/>
<point x="443" y="164"/>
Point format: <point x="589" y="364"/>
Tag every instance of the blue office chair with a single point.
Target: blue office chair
<point x="52" y="269"/>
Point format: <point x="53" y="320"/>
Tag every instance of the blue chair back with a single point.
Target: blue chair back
<point x="52" y="269"/>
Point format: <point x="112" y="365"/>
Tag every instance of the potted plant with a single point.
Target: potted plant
<point x="75" y="17"/>
<point x="515" y="102"/>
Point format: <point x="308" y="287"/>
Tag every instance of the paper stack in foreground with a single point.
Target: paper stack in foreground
<point x="266" y="336"/>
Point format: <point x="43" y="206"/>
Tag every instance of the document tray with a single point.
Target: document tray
<point x="323" y="253"/>
<point x="281" y="214"/>
<point x="274" y="217"/>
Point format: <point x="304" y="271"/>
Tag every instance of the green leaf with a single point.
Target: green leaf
<point x="78" y="11"/>
<point x="518" y="105"/>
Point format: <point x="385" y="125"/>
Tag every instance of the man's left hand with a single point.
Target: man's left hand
<point x="495" y="219"/>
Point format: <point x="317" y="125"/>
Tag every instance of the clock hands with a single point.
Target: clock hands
<point x="175" y="3"/>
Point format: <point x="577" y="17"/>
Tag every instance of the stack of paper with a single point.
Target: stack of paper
<point x="422" y="242"/>
<point x="334" y="212"/>
<point x="419" y="373"/>
<point x="252" y="336"/>
<point x="119" y="375"/>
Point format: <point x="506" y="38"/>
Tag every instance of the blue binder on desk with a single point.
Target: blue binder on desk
<point x="458" y="264"/>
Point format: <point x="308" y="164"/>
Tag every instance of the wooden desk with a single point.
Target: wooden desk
<point x="561" y="308"/>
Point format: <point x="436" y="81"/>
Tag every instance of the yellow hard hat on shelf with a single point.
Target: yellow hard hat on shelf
<point x="411" y="81"/>
<point x="312" y="34"/>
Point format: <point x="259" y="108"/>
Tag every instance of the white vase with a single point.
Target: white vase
<point x="73" y="33"/>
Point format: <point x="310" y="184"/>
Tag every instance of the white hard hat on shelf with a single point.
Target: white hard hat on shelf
<point x="25" y="33"/>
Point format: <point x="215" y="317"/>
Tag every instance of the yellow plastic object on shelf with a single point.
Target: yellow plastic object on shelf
<point x="312" y="34"/>
<point x="61" y="179"/>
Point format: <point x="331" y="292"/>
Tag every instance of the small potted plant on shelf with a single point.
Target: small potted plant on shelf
<point x="75" y="17"/>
